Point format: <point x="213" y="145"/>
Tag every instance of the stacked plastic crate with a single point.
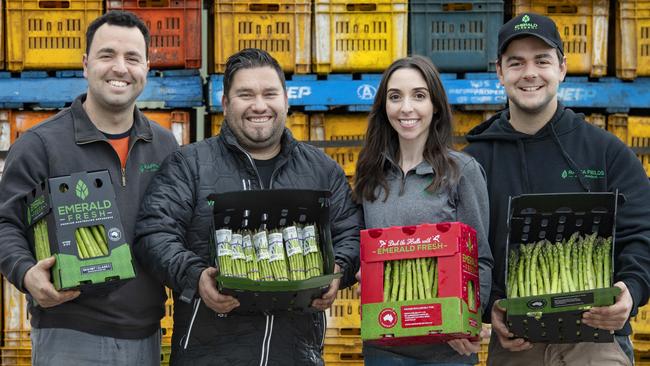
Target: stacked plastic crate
<point x="632" y="39"/>
<point x="633" y="131"/>
<point x="641" y="336"/>
<point x="16" y="329"/>
<point x="343" y="346"/>
<point x="583" y="25"/>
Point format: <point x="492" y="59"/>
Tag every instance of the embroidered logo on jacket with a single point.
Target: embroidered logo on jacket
<point x="149" y="167"/>
<point x="588" y="173"/>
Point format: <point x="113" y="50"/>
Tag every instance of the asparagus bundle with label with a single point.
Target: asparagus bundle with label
<point x="252" y="269"/>
<point x="238" y="258"/>
<point x="311" y="252"/>
<point x="224" y="251"/>
<point x="410" y="279"/>
<point x="294" y="253"/>
<point x="91" y="242"/>
<point x="578" y="264"/>
<point x="277" y="257"/>
<point x="261" y="245"/>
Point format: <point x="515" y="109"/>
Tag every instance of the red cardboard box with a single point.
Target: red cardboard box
<point x="432" y="320"/>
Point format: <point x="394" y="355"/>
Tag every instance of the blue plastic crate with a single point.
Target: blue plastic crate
<point x="458" y="36"/>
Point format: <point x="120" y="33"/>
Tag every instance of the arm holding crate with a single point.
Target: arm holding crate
<point x="25" y="168"/>
<point x="473" y="209"/>
<point x="632" y="245"/>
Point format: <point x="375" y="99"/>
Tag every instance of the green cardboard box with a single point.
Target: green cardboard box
<point x="60" y="206"/>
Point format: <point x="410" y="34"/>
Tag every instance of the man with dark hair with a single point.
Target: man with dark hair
<point x="538" y="146"/>
<point x="102" y="129"/>
<point x="254" y="151"/>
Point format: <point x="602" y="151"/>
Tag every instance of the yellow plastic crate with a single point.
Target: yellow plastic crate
<point x="348" y="357"/>
<point x="583" y="26"/>
<point x="482" y="355"/>
<point x="167" y="322"/>
<point x="632" y="39"/>
<point x="48" y="34"/>
<point x="342" y="332"/>
<point x="16" y="356"/>
<point x="16" y="326"/>
<point x="358" y="35"/>
<point x="280" y="27"/>
<point x="598" y="120"/>
<point x="165" y="354"/>
<point x="340" y="127"/>
<point x="464" y="122"/>
<point x="641" y="358"/>
<point x="634" y="131"/>
<point x="298" y="124"/>
<point x="2" y="37"/>
<point x="641" y="322"/>
<point x="344" y="314"/>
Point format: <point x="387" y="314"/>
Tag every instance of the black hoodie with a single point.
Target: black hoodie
<point x="566" y="155"/>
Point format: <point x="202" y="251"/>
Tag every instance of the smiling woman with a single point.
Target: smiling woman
<point x="408" y="174"/>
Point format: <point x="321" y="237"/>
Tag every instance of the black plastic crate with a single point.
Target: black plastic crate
<point x="556" y="318"/>
<point x="271" y="209"/>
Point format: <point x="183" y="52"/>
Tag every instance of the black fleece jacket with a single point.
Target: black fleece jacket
<point x="566" y="155"/>
<point x="173" y="242"/>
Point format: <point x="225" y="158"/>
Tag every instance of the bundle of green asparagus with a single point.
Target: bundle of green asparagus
<point x="91" y="241"/>
<point x="41" y="240"/>
<point x="261" y="245"/>
<point x="290" y="253"/>
<point x="311" y="251"/>
<point x="294" y="253"/>
<point x="410" y="279"/>
<point x="222" y="239"/>
<point x="252" y="268"/>
<point x="577" y="264"/>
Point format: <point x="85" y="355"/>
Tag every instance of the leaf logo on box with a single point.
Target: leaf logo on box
<point x="388" y="318"/>
<point x="81" y="190"/>
<point x="536" y="304"/>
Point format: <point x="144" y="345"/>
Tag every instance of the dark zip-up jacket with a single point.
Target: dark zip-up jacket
<point x="173" y="241"/>
<point x="566" y="155"/>
<point x="67" y="143"/>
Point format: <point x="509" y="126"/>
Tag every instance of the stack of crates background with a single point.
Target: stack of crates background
<point x="583" y="26"/>
<point x="16" y="329"/>
<point x="457" y="36"/>
<point x="641" y="336"/>
<point x="178" y="121"/>
<point x="283" y="28"/>
<point x="343" y="346"/>
<point x="358" y="35"/>
<point x="175" y="27"/>
<point x="634" y="131"/>
<point x="45" y="35"/>
<point x="632" y="38"/>
<point x="166" y="327"/>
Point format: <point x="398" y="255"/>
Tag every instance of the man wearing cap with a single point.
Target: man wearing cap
<point x="536" y="145"/>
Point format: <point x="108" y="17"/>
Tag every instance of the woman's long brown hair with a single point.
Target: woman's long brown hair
<point x="382" y="139"/>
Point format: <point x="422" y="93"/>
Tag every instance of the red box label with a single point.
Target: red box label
<point x="424" y="315"/>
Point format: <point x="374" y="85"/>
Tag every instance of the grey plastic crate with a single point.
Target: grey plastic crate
<point x="458" y="36"/>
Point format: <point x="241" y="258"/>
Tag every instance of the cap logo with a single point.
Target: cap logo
<point x="525" y="24"/>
